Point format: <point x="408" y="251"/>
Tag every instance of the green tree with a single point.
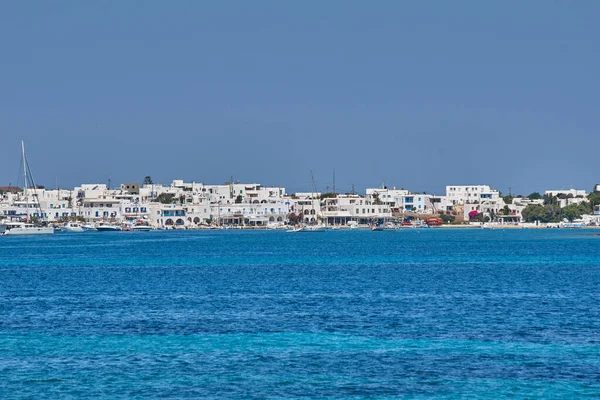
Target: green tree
<point x="506" y="210"/>
<point x="594" y="199"/>
<point x="447" y="218"/>
<point x="549" y="199"/>
<point x="508" y="199"/>
<point x="573" y="211"/>
<point x="326" y="196"/>
<point x="553" y="212"/>
<point x="239" y="199"/>
<point x="148" y="180"/>
<point x="534" y="196"/>
<point x="535" y="212"/>
<point x="480" y="218"/>
<point x="164" y="198"/>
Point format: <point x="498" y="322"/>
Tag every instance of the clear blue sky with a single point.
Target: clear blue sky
<point x="413" y="94"/>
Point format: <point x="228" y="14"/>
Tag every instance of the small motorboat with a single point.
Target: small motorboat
<point x="72" y="227"/>
<point x="107" y="227"/>
<point x="141" y="228"/>
<point x="88" y="227"/>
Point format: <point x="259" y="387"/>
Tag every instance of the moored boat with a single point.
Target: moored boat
<point x="107" y="227"/>
<point x="24" y="228"/>
<point x="309" y="228"/>
<point x="24" y="225"/>
<point x="72" y="227"/>
<point x="141" y="228"/>
<point x="88" y="227"/>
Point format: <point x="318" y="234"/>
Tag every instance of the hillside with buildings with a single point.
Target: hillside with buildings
<point x="192" y="205"/>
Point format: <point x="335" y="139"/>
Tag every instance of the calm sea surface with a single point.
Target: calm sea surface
<point x="341" y="314"/>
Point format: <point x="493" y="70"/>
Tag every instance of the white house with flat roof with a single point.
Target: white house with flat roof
<point x="391" y="197"/>
<point x="342" y="209"/>
<point x="463" y="194"/>
<point x="568" y="197"/>
<point x="487" y="207"/>
<point x="567" y="192"/>
<point x="167" y="215"/>
<point x="309" y="208"/>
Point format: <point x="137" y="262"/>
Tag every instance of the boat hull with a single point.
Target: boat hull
<point x="141" y="229"/>
<point x="107" y="229"/>
<point x="309" y="229"/>
<point x="72" y="229"/>
<point x="41" y="230"/>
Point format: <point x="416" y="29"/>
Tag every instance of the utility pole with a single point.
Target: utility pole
<point x="334" y="182"/>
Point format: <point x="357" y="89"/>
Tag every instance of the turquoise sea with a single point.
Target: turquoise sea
<point x="452" y="314"/>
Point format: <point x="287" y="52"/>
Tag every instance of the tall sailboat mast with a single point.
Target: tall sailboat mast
<point x="25" y="179"/>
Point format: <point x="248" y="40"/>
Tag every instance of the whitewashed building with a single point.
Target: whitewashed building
<point x="342" y="209"/>
<point x="462" y="194"/>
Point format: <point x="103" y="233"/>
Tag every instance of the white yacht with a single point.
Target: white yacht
<point x="141" y="227"/>
<point x="107" y="227"/>
<point x="88" y="227"/>
<point x="24" y="228"/>
<point x="72" y="227"/>
<point x="309" y="228"/>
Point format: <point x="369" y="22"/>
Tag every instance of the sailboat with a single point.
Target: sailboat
<point x="25" y="226"/>
<point x="317" y="227"/>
